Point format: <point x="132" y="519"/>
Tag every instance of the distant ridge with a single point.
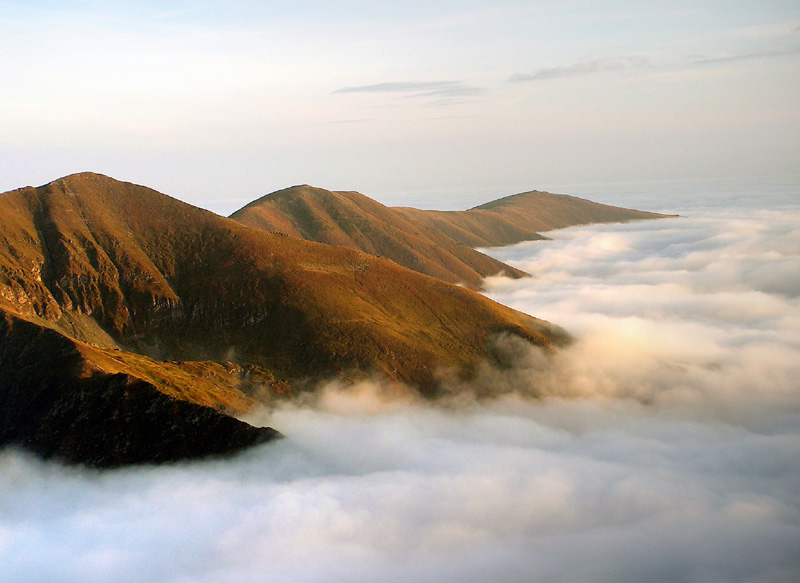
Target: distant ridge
<point x="522" y="217"/>
<point x="437" y="243"/>
<point x="350" y="219"/>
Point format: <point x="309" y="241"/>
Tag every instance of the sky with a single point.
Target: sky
<point x="665" y="444"/>
<point x="218" y="103"/>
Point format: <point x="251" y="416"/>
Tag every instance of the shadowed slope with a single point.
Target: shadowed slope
<point x="521" y="217"/>
<point x="59" y="398"/>
<point x="350" y="219"/>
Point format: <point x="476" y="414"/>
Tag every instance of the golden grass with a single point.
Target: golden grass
<point x="168" y="281"/>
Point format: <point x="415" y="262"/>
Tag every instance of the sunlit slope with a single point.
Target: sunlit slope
<point x="353" y="220"/>
<point x="119" y="265"/>
<point x="521" y="217"/>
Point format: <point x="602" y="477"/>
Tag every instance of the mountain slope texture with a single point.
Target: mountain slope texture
<point x="521" y="217"/>
<point x="120" y="301"/>
<point x="58" y="401"/>
<point x="350" y="219"/>
<point x="437" y="243"/>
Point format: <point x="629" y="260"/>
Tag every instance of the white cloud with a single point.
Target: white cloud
<point x="423" y="88"/>
<point x="702" y="309"/>
<point x="677" y="463"/>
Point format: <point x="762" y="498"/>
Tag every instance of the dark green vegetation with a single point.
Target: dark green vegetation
<point x="124" y="310"/>
<point x="437" y="243"/>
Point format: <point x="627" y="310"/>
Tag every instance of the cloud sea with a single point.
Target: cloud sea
<point x="665" y="445"/>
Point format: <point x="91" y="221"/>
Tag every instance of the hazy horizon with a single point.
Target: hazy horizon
<point x="218" y="104"/>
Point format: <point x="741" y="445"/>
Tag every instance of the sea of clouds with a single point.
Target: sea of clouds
<point x="665" y="447"/>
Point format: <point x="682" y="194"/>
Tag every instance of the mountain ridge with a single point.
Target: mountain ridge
<point x="351" y="219"/>
<point x="130" y="257"/>
<point x="522" y="217"/>
<point x="144" y="290"/>
<point x="437" y="243"/>
<point x="134" y="326"/>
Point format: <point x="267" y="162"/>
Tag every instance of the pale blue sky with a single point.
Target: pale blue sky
<point x="218" y="103"/>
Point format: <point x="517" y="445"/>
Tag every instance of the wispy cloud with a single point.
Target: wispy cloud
<point x="765" y="54"/>
<point x="772" y="41"/>
<point x="348" y="121"/>
<point x="178" y="13"/>
<point x="418" y="89"/>
<point x="583" y="68"/>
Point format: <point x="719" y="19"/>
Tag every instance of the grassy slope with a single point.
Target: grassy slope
<point x="120" y="265"/>
<point x="350" y="219"/>
<point x="63" y="398"/>
<point x="521" y="217"/>
<point x="224" y="387"/>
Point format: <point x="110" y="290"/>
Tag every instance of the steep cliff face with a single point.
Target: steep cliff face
<point x="55" y="401"/>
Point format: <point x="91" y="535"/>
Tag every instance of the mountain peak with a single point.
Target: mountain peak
<point x="82" y="178"/>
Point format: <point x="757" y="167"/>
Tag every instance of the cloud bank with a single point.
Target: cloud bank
<point x="674" y="458"/>
<point x="693" y="311"/>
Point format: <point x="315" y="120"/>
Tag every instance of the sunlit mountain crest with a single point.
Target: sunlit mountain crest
<point x="437" y="243"/>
